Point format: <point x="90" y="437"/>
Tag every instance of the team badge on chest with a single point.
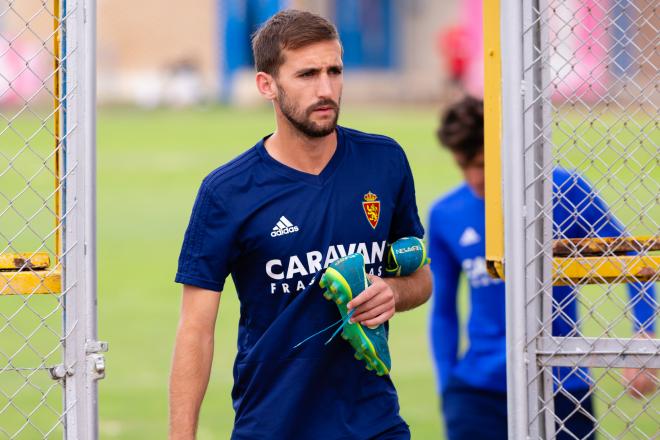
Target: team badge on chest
<point x="371" y="206"/>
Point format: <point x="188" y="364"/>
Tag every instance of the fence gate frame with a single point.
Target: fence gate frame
<point x="84" y="363"/>
<point x="63" y="266"/>
<point x="519" y="231"/>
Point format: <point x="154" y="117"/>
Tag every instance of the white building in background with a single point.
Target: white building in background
<point x="152" y="52"/>
<point x="154" y="55"/>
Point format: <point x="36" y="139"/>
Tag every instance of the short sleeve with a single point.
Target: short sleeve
<point x="208" y="245"/>
<point x="406" y="222"/>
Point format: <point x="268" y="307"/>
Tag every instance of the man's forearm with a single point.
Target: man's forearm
<point x="191" y="368"/>
<point x="385" y="296"/>
<point x="413" y="290"/>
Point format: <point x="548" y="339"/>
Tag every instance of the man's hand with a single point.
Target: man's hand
<point x="640" y="381"/>
<point x="385" y="296"/>
<point x="375" y="305"/>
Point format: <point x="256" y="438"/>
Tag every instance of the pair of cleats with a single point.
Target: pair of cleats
<point x="346" y="278"/>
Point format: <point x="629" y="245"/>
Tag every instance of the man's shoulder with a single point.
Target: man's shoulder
<point x="378" y="140"/>
<point x="452" y="200"/>
<point x="565" y="182"/>
<point x="232" y="171"/>
<point x="561" y="175"/>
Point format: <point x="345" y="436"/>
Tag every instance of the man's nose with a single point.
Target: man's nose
<point x="324" y="89"/>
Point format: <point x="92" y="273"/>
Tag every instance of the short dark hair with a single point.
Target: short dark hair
<point x="288" y="29"/>
<point x="462" y="127"/>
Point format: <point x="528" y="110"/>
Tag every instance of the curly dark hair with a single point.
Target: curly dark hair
<point x="462" y="127"/>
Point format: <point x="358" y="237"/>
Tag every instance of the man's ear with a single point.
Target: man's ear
<point x="266" y="85"/>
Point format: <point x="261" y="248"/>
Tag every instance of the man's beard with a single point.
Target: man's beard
<point x="301" y="119"/>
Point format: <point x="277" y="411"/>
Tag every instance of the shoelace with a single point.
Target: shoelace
<point x="342" y="321"/>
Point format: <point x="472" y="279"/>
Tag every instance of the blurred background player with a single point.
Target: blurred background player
<point x="473" y="385"/>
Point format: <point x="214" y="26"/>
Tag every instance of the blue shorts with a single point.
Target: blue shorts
<point x="471" y="413"/>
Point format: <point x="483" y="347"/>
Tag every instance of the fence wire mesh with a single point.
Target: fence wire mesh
<point x="35" y="170"/>
<point x="591" y="170"/>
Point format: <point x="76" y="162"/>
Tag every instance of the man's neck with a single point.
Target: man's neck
<point x="300" y="152"/>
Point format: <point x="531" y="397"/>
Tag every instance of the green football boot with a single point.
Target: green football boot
<point x="405" y="256"/>
<point x="343" y="280"/>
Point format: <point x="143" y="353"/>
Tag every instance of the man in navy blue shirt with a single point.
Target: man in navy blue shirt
<point x="473" y="385"/>
<point x="274" y="218"/>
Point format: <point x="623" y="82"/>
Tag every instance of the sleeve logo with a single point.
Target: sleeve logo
<point x="371" y="206"/>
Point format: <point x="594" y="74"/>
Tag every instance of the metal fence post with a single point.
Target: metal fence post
<point x="581" y="191"/>
<point x="514" y="221"/>
<point x="50" y="358"/>
<point x="82" y="350"/>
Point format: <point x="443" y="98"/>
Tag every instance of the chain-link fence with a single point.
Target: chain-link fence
<point x="581" y="187"/>
<point x="49" y="357"/>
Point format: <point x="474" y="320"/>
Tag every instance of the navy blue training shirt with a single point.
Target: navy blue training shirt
<point x="274" y="229"/>
<point x="457" y="245"/>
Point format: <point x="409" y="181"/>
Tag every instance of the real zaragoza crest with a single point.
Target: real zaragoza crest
<point x="371" y="206"/>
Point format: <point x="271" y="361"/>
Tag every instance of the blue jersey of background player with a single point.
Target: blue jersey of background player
<point x="473" y="385"/>
<point x="273" y="219"/>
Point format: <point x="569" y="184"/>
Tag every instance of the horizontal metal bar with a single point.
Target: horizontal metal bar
<point x="598" y="352"/>
<point x="30" y="282"/>
<point x="595" y="270"/>
<point x="599" y="270"/>
<point x="604" y="245"/>
<point x="23" y="261"/>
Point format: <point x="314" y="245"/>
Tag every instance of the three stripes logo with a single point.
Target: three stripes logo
<point x="283" y="227"/>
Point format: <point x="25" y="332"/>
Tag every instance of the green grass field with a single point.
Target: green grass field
<point x="150" y="166"/>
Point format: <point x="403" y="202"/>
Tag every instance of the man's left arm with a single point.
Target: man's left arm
<point x="385" y="296"/>
<point x="599" y="218"/>
<point x="640" y="381"/>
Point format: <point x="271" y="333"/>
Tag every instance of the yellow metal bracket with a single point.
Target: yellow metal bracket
<point x="599" y="260"/>
<point x="599" y="270"/>
<point x="39" y="260"/>
<point x="605" y="246"/>
<point x="26" y="274"/>
<point x="30" y="282"/>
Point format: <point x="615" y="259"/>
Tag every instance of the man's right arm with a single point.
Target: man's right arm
<point x="596" y="219"/>
<point x="193" y="356"/>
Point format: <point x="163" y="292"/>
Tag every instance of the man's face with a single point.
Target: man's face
<point x="309" y="86"/>
<point x="473" y="171"/>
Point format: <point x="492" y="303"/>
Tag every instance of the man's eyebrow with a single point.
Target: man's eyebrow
<point x="308" y="70"/>
<point x="317" y="69"/>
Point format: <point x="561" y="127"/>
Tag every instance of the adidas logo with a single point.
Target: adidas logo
<point x="469" y="237"/>
<point x="283" y="227"/>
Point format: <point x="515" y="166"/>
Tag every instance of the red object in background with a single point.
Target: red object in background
<point x="453" y="45"/>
